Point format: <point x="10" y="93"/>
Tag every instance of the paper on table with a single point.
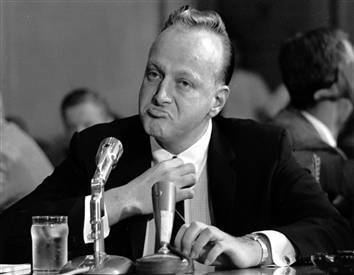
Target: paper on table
<point x="15" y="269"/>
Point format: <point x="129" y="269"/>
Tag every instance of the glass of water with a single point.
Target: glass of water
<point x="49" y="243"/>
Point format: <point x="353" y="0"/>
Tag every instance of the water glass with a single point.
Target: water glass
<point x="49" y="243"/>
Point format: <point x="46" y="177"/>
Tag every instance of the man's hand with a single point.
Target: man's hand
<point x="211" y="246"/>
<point x="134" y="198"/>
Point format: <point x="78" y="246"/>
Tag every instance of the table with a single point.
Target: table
<point x="272" y="270"/>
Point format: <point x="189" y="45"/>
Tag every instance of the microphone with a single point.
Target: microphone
<point x="108" y="154"/>
<point x="164" y="200"/>
<point x="167" y="260"/>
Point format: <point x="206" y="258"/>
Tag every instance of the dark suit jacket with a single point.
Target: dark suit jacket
<point x="336" y="172"/>
<point x="254" y="184"/>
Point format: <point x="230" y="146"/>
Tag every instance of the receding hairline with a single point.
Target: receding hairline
<point x="211" y="21"/>
<point x="183" y="28"/>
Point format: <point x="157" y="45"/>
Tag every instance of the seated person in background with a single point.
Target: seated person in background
<point x="252" y="203"/>
<point x="311" y="65"/>
<point x="80" y="109"/>
<point x="250" y="96"/>
<point x="18" y="121"/>
<point x="23" y="165"/>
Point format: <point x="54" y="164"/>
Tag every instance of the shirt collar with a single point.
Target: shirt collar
<point x="195" y="154"/>
<point x="321" y="129"/>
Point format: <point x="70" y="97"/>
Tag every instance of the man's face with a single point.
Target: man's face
<point x="84" y="115"/>
<point x="181" y="88"/>
<point x="345" y="85"/>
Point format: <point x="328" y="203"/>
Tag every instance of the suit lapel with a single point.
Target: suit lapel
<point x="135" y="160"/>
<point x="136" y="157"/>
<point x="221" y="180"/>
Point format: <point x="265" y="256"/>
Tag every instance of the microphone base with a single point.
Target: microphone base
<point x="108" y="264"/>
<point x="163" y="264"/>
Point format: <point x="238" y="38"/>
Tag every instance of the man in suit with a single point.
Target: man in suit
<point x="79" y="109"/>
<point x="252" y="204"/>
<point x="314" y="66"/>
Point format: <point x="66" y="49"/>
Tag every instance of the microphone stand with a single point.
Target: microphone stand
<point x="167" y="259"/>
<point x="100" y="262"/>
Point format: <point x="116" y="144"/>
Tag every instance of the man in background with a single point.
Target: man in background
<point x="312" y="65"/>
<point x="250" y="95"/>
<point x="80" y="108"/>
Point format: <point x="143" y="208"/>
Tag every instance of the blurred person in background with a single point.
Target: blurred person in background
<point x="79" y="109"/>
<point x="18" y="121"/>
<point x="82" y="108"/>
<point x="250" y="95"/>
<point x="314" y="69"/>
<point x="23" y="165"/>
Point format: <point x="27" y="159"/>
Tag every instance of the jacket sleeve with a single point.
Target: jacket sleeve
<point x="61" y="193"/>
<point x="308" y="218"/>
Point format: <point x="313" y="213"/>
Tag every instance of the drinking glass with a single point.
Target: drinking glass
<point x="49" y="243"/>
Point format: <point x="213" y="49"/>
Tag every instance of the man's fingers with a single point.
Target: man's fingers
<point x="174" y="170"/>
<point x="184" y="194"/>
<point x="199" y="245"/>
<point x="216" y="250"/>
<point x="190" y="235"/>
<point x="186" y="181"/>
<point x="187" y="168"/>
<point x="179" y="236"/>
<point x="186" y="173"/>
<point x="171" y="163"/>
<point x="183" y="168"/>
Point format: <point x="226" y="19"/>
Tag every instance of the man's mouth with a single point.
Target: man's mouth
<point x="157" y="112"/>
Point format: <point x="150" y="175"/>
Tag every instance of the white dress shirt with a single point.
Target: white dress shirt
<point x="323" y="131"/>
<point x="197" y="209"/>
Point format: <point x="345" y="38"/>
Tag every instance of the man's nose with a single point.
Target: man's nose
<point x="163" y="93"/>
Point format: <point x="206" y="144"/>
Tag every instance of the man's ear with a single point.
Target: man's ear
<point x="219" y="100"/>
<point x="327" y="94"/>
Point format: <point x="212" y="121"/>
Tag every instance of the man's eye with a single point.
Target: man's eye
<point x="152" y="75"/>
<point x="184" y="84"/>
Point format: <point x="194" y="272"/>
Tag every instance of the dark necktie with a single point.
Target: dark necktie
<point x="179" y="220"/>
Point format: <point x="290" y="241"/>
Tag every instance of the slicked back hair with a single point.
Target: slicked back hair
<point x="309" y="62"/>
<point x="211" y="21"/>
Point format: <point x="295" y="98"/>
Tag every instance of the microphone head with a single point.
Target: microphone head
<point x="108" y="154"/>
<point x="164" y="196"/>
<point x="109" y="147"/>
<point x="164" y="201"/>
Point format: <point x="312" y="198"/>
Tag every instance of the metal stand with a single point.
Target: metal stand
<point x="100" y="263"/>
